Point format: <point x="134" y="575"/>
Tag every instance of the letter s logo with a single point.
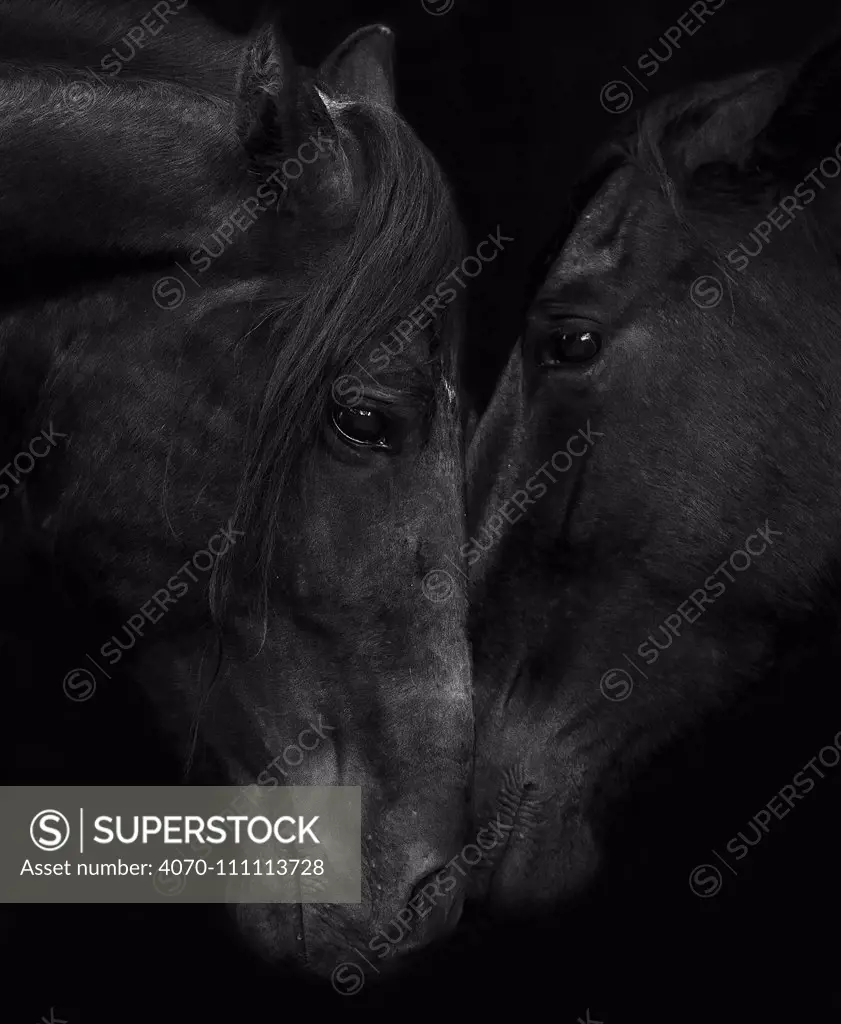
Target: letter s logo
<point x="49" y="830"/>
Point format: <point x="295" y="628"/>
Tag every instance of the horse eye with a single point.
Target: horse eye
<point x="564" y="347"/>
<point x="360" y="426"/>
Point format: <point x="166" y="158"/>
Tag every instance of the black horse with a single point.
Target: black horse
<point x="655" y="531"/>
<point x="199" y="239"/>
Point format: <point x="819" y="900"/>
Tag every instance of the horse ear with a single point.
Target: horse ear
<point x="717" y="122"/>
<point x="362" y="68"/>
<point x="739" y="113"/>
<point x="267" y="92"/>
<point x="778" y="118"/>
<point x="278" y="109"/>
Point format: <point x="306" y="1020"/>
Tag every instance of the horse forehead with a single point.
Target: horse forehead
<point x="606" y="235"/>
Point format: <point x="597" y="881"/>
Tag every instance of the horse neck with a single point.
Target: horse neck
<point x="146" y="170"/>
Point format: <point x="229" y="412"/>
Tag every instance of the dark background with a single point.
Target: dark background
<point x="508" y="99"/>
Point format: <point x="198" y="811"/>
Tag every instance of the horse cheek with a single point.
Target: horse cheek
<point x="530" y="488"/>
<point x="733" y="262"/>
<point x="644" y="654"/>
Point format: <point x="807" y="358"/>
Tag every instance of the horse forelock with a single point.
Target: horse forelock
<point x="401" y="238"/>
